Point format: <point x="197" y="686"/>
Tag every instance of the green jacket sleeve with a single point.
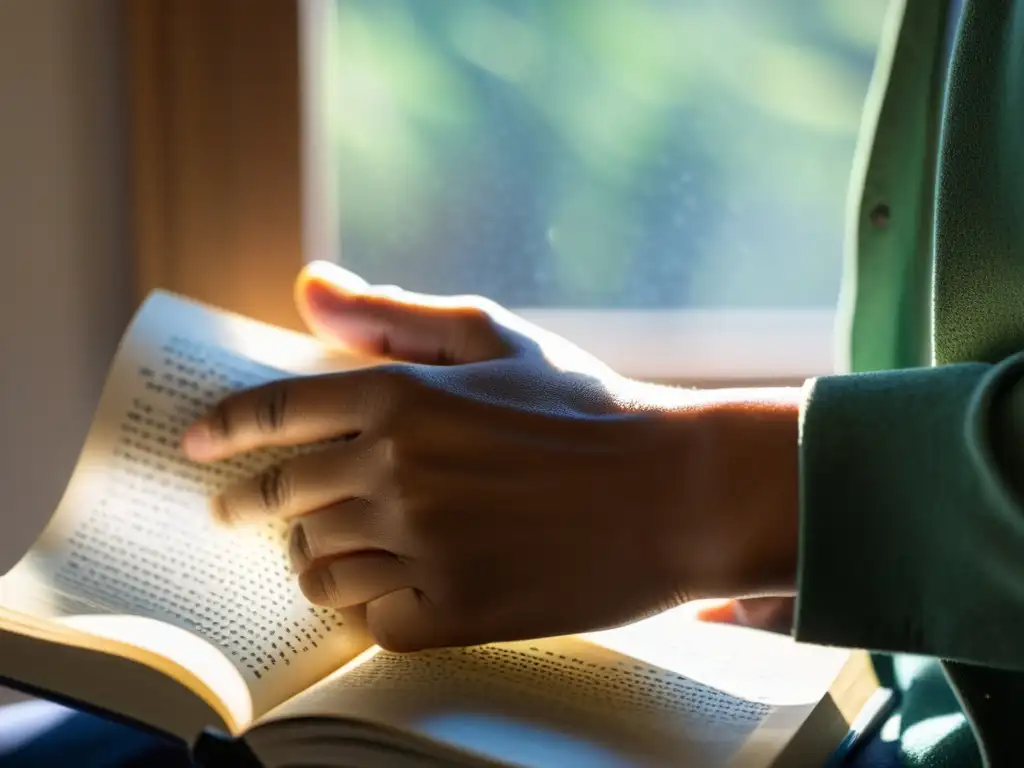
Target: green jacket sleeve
<point x="912" y="532"/>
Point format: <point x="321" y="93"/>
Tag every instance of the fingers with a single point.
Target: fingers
<point x="387" y="323"/>
<point x="343" y="310"/>
<point x="337" y="553"/>
<point x="355" y="579"/>
<point x="284" y="412"/>
<point x="403" y="621"/>
<point x="407" y="620"/>
<point x="378" y="588"/>
<point x="340" y="529"/>
<point x="300" y="485"/>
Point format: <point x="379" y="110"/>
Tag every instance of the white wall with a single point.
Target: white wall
<point x="65" y="280"/>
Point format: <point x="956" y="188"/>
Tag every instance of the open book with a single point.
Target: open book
<point x="134" y="602"/>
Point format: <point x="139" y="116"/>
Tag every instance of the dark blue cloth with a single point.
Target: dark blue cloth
<point x="37" y="734"/>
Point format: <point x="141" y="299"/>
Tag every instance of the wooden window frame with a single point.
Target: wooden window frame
<point x="215" y="96"/>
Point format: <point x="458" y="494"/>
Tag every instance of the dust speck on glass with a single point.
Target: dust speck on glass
<point x="656" y="154"/>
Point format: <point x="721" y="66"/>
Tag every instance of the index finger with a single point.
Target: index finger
<point x="281" y="413"/>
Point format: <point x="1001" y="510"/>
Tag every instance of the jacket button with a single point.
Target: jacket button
<point x="880" y="216"/>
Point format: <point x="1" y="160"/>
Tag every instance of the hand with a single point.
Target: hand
<point x="498" y="484"/>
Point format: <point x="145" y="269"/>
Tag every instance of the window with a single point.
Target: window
<point x="662" y="181"/>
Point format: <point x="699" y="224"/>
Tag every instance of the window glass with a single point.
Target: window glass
<point x="598" y="154"/>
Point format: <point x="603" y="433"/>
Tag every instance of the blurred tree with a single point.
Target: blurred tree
<point x="607" y="153"/>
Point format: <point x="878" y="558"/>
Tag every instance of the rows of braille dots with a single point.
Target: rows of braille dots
<point x="268" y="634"/>
<point x="625" y="686"/>
<point x="165" y="564"/>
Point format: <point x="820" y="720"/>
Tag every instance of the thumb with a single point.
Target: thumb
<point x="343" y="310"/>
<point x="774" y="614"/>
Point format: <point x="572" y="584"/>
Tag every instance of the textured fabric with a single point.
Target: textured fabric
<point x="912" y="526"/>
<point x="957" y="578"/>
<point x="885" y="304"/>
<point x="38" y="734"/>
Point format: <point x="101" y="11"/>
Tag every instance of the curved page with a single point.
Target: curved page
<point x="133" y="535"/>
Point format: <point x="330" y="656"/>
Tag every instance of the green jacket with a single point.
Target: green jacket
<point x="912" y="467"/>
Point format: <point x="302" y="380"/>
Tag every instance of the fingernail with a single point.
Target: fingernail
<point x="198" y="442"/>
<point x="335" y="276"/>
<point x="323" y="297"/>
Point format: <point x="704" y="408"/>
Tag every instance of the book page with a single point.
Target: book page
<point x="133" y="535"/>
<point x="569" y="701"/>
<point x="759" y="666"/>
<point x="120" y="679"/>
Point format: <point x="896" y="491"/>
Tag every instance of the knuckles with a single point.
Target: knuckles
<point x="475" y="317"/>
<point x="301" y="548"/>
<point x="270" y="409"/>
<point x="264" y="410"/>
<point x="404" y="489"/>
<point x="392" y="381"/>
<point x="397" y="389"/>
<point x="319" y="587"/>
<point x="276" y="488"/>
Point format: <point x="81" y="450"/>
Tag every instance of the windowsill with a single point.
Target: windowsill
<point x="720" y="346"/>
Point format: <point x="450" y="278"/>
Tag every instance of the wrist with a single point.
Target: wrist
<point x="741" y="494"/>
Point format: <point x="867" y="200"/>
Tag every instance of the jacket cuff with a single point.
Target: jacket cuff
<point x="900" y="504"/>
